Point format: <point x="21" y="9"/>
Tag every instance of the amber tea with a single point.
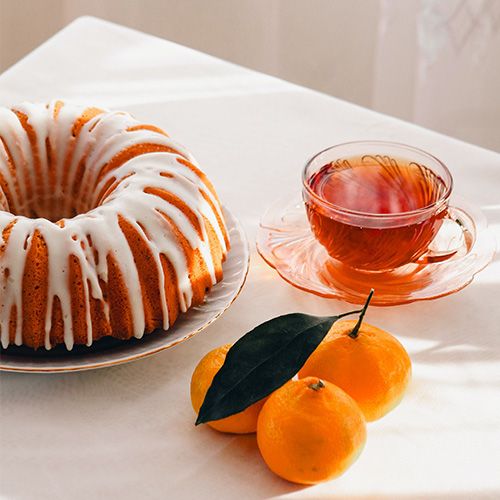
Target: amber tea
<point x="374" y="212"/>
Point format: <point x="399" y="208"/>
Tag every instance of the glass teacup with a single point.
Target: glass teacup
<point x="376" y="206"/>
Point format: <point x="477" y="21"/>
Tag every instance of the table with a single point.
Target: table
<point x="127" y="432"/>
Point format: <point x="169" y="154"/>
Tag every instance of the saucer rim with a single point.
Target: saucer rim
<point x="477" y="217"/>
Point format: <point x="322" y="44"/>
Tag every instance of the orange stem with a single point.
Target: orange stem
<point x="355" y="331"/>
<point x="317" y="385"/>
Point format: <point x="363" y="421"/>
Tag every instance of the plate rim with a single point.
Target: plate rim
<point x="232" y="222"/>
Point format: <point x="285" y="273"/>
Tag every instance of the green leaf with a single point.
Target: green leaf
<point x="262" y="361"/>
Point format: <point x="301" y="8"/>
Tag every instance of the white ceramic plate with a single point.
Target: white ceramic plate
<point x="109" y="352"/>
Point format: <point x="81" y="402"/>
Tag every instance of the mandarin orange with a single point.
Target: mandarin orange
<point x="310" y="431"/>
<point x="243" y="422"/>
<point x="372" y="366"/>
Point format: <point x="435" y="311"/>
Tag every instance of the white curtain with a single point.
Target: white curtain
<point x="438" y="64"/>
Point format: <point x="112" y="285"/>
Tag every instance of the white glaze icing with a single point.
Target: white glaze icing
<point x="99" y="141"/>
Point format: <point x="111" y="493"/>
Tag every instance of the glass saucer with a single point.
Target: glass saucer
<point x="285" y="242"/>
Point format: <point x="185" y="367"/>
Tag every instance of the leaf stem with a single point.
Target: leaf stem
<point x="355" y="331"/>
<point x="343" y="315"/>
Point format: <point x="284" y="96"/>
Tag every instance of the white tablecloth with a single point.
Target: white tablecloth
<point x="127" y="432"/>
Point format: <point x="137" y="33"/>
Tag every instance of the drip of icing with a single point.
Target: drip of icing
<point x="98" y="142"/>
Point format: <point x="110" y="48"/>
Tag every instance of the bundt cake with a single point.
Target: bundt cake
<point x="108" y="227"/>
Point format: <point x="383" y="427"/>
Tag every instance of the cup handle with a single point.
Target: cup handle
<point x="454" y="236"/>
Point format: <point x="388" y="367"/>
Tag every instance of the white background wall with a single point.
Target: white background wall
<point x="434" y="62"/>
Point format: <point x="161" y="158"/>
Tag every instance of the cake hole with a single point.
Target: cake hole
<point x="55" y="208"/>
<point x="51" y="201"/>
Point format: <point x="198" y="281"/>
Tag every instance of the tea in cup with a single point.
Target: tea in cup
<point x="374" y="205"/>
